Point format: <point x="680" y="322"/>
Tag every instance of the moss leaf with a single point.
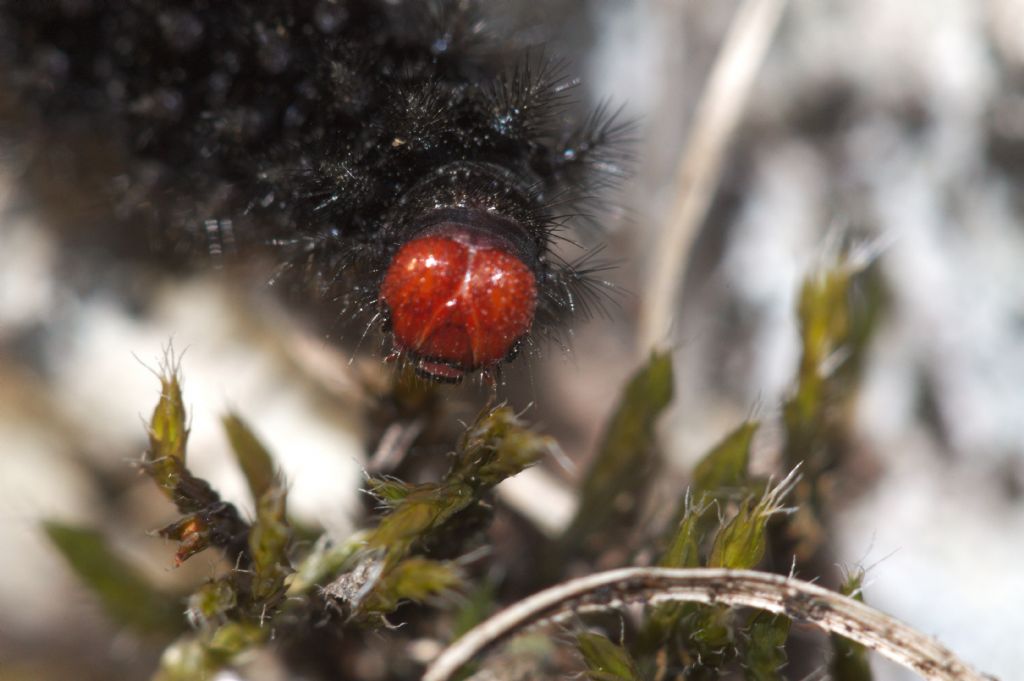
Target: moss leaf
<point x="125" y="594"/>
<point x="849" y="659"/>
<point x="208" y="521"/>
<point x="741" y="543"/>
<point x="627" y="450"/>
<point x="253" y="457"/>
<point x="684" y="544"/>
<point x="388" y="490"/>
<point x="766" y="654"/>
<point x="168" y="433"/>
<point x="201" y="657"/>
<point x="414" y="579"/>
<point x="209" y="606"/>
<point x="323" y="563"/>
<point x="725" y="466"/>
<point x="497" y="446"/>
<point x="605" y="660"/>
<point x="269" y="539"/>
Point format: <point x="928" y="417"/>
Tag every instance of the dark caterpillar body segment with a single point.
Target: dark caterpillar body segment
<point x="335" y="134"/>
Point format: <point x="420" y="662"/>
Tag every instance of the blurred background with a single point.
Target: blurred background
<point x="899" y="123"/>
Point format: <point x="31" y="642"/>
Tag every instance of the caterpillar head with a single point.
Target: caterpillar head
<point x="459" y="296"/>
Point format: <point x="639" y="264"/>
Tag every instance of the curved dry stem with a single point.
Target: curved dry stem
<point x="717" y="117"/>
<point x="799" y="600"/>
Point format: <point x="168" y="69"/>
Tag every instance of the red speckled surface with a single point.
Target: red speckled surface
<point x="457" y="301"/>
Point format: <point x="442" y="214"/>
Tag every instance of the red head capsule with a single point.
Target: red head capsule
<point x="459" y="300"/>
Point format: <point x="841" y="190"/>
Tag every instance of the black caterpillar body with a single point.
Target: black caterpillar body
<point x="327" y="132"/>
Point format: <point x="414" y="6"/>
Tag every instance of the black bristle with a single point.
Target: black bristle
<point x="318" y="132"/>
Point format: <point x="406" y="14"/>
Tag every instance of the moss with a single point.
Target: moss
<point x="413" y="549"/>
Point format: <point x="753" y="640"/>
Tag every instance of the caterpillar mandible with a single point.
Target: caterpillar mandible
<point x="399" y="157"/>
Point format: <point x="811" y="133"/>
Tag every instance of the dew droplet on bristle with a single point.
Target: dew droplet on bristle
<point x="457" y="302"/>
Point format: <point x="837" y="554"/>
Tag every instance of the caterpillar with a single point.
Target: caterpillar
<point x="401" y="159"/>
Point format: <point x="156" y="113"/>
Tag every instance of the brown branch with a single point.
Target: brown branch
<point x="799" y="600"/>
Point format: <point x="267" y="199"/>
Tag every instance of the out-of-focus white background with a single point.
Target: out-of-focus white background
<point x="902" y="121"/>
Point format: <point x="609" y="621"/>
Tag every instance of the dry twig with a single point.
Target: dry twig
<point x="797" y="599"/>
<point x="699" y="168"/>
